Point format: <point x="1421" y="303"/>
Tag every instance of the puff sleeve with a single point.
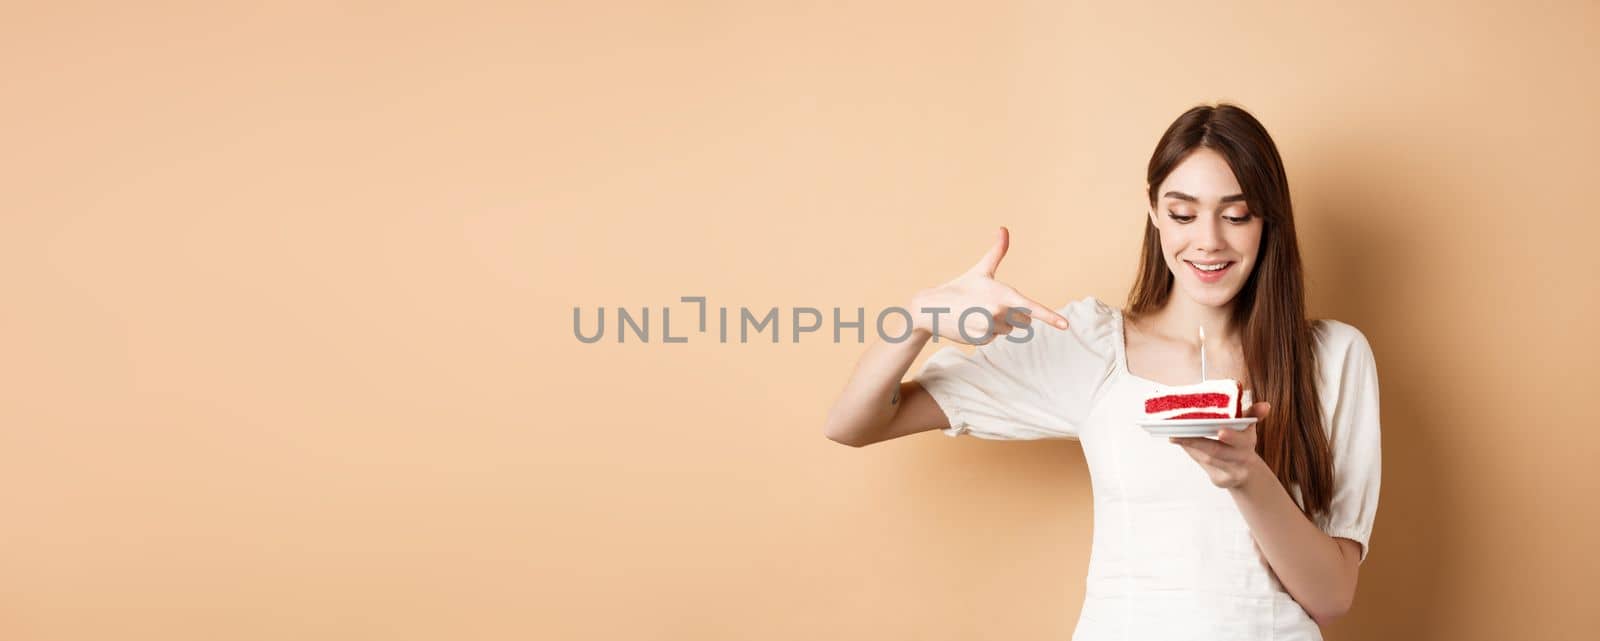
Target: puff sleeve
<point x="1042" y="388"/>
<point x="1350" y="408"/>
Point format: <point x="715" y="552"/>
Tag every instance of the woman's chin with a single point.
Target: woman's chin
<point x="1210" y="295"/>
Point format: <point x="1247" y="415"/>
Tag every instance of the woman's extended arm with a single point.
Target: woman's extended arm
<point x="876" y="405"/>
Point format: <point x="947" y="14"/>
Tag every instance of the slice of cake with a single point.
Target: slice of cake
<point x="1216" y="398"/>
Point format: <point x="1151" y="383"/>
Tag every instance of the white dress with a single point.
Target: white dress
<point x="1172" y="558"/>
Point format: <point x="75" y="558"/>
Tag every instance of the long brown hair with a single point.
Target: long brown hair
<point x="1276" y="335"/>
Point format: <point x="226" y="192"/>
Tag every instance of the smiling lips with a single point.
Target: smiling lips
<point x="1210" y="275"/>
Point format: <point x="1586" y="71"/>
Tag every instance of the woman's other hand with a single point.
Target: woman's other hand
<point x="1230" y="458"/>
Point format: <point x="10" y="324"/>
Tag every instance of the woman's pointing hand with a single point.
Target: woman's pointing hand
<point x="942" y="310"/>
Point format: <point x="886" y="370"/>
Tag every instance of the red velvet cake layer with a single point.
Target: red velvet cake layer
<point x="1200" y="415"/>
<point x="1175" y="401"/>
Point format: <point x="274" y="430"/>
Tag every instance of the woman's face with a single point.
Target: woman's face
<point x="1203" y="221"/>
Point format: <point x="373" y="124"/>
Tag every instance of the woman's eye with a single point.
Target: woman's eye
<point x="1237" y="220"/>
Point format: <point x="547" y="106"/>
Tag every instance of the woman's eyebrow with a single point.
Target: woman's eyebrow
<point x="1183" y="196"/>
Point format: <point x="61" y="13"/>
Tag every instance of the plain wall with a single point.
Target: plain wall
<point x="288" y="332"/>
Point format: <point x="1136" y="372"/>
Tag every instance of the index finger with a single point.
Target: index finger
<point x="1234" y="437"/>
<point x="1040" y="311"/>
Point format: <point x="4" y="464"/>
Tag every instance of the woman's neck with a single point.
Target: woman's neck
<point x="1181" y="319"/>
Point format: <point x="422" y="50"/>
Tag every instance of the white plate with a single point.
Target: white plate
<point x="1194" y="426"/>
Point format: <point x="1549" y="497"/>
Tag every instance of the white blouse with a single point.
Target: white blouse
<point x="1171" y="556"/>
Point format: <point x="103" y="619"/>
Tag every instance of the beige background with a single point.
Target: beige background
<point x="288" y="301"/>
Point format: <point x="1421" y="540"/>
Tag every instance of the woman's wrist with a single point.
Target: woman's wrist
<point x="1258" y="477"/>
<point x="920" y="320"/>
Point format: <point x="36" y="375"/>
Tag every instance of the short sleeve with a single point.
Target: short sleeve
<point x="1350" y="407"/>
<point x="1040" y="388"/>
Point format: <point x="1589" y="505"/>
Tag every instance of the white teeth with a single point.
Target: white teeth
<point x="1210" y="268"/>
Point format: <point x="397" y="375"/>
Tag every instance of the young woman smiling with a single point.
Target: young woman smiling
<point x="1254" y="534"/>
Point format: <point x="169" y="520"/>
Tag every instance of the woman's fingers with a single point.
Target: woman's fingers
<point x="986" y="331"/>
<point x="1220" y="447"/>
<point x="1246" y="436"/>
<point x="1039" y="310"/>
<point x="1001" y="298"/>
<point x="991" y="260"/>
<point x="1197" y="444"/>
<point x="1199" y="448"/>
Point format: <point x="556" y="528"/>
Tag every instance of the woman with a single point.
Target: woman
<point x="1255" y="534"/>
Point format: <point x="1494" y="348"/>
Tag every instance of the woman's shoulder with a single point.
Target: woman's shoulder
<point x="1337" y="336"/>
<point x="1090" y="314"/>
<point x="1090" y="309"/>
<point x="1340" y="345"/>
<point x="1091" y="324"/>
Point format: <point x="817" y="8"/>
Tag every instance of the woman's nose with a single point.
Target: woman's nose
<point x="1209" y="235"/>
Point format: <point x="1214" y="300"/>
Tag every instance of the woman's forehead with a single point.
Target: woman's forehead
<point x="1203" y="176"/>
